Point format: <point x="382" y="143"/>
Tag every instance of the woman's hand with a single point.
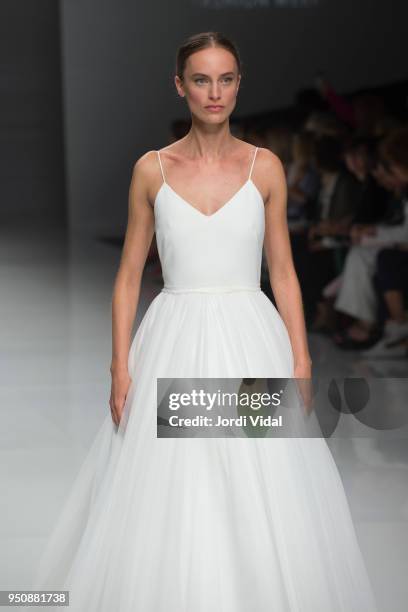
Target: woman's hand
<point x="119" y="390"/>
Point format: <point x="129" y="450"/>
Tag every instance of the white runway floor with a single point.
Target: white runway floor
<point x="55" y="343"/>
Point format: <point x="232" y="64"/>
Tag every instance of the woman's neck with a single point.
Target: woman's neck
<point x="209" y="142"/>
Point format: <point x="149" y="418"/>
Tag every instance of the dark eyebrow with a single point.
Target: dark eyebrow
<point x="204" y="75"/>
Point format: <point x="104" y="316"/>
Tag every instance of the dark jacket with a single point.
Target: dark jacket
<point x="344" y="201"/>
<point x="373" y="202"/>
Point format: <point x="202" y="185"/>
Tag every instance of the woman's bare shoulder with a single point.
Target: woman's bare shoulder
<point x="146" y="166"/>
<point x="268" y="161"/>
<point x="268" y="169"/>
<point x="146" y="177"/>
<point x="268" y="174"/>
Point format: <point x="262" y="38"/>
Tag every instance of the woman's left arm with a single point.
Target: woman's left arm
<point x="282" y="274"/>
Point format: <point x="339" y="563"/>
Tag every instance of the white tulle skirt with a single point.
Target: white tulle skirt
<point x="205" y="524"/>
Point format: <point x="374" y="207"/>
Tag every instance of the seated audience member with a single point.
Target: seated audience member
<point x="361" y="157"/>
<point x="302" y="178"/>
<point x="357" y="296"/>
<point x="392" y="267"/>
<point x="362" y="161"/>
<point x="391" y="283"/>
<point x="316" y="261"/>
<point x="340" y="192"/>
<point x="393" y="215"/>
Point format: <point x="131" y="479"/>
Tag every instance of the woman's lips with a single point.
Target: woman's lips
<point x="214" y="108"/>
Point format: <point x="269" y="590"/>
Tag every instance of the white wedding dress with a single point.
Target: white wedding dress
<point x="206" y="524"/>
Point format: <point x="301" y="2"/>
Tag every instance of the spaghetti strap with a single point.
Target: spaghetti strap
<point x="252" y="165"/>
<point x="161" y="167"/>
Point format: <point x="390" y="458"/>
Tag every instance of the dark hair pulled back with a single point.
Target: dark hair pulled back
<point x="204" y="40"/>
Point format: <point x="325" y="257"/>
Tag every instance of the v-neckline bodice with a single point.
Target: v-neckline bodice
<point x="195" y="208"/>
<point x="199" y="212"/>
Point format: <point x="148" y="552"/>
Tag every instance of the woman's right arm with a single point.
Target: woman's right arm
<point x="125" y="298"/>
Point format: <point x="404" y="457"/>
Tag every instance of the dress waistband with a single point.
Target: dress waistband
<point x="216" y="289"/>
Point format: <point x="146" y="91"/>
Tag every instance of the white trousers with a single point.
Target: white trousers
<point x="356" y="296"/>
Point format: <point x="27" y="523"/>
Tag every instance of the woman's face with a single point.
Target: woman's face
<point x="210" y="84"/>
